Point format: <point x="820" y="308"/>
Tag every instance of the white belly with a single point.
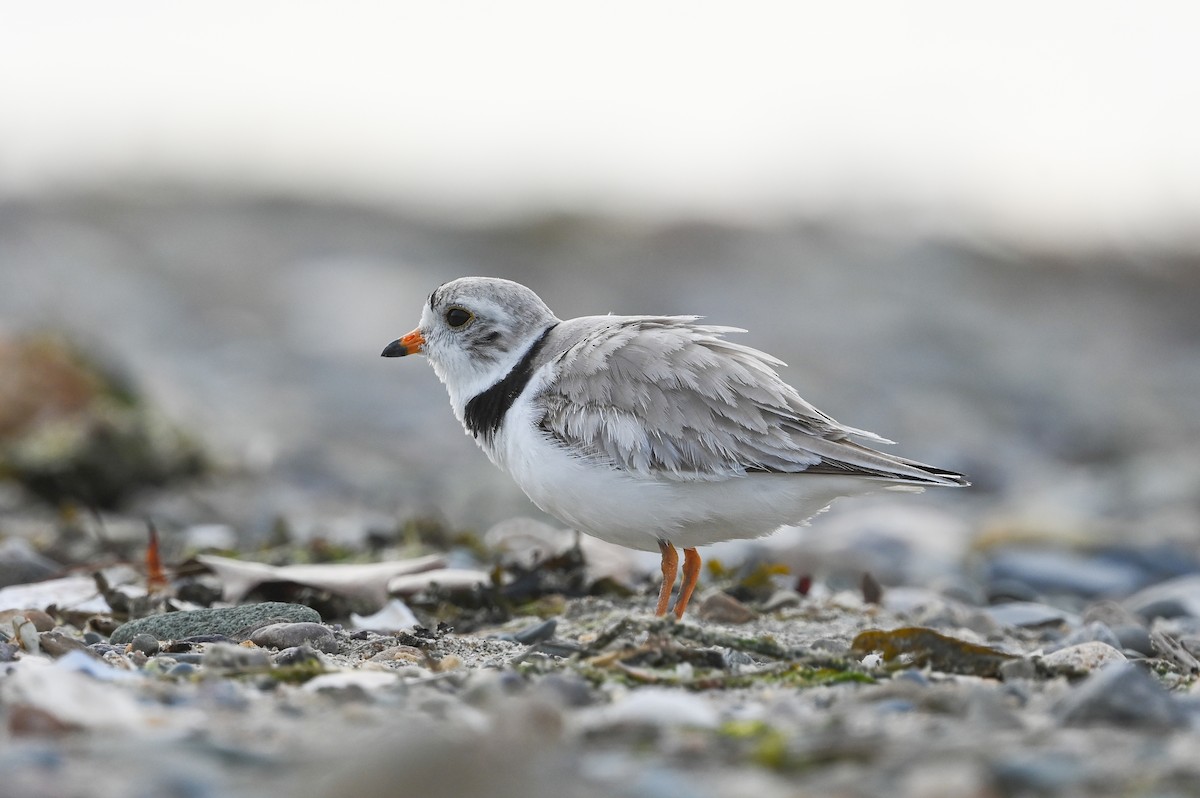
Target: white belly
<point x="636" y="512"/>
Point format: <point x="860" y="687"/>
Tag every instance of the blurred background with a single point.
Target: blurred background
<point x="972" y="230"/>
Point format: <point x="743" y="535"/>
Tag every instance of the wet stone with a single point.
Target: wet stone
<point x="1122" y="695"/>
<point x="290" y="635"/>
<point x="222" y="621"/>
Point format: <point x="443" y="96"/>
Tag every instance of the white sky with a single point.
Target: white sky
<point x="1056" y="122"/>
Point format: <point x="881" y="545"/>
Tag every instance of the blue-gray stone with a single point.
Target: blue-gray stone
<point x="1002" y="589"/>
<point x="1036" y="774"/>
<point x="1134" y="638"/>
<point x="182" y="669"/>
<point x="221" y="621"/>
<point x="1028" y="614"/>
<point x="1123" y="695"/>
<point x="536" y="633"/>
<point x="1173" y="598"/>
<point x="1066" y="572"/>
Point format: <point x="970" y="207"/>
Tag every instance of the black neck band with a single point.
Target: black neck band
<point x="485" y="411"/>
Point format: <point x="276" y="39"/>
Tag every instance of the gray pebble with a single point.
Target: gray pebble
<point x="1122" y="695"/>
<point x="1133" y="637"/>
<point x="21" y="563"/>
<point x="8" y="651"/>
<point x="146" y="644"/>
<point x="989" y="709"/>
<point x="182" y="669"/>
<point x="1081" y="657"/>
<point x="570" y="690"/>
<point x="536" y="633"/>
<point x="227" y="657"/>
<point x="1037" y="774"/>
<point x="290" y="635"/>
<point x="782" y="599"/>
<point x="296" y="655"/>
<point x="222" y="620"/>
<point x="1016" y="669"/>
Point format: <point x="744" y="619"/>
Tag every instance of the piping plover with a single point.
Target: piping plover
<point x="646" y="431"/>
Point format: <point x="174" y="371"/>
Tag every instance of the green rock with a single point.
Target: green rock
<point x="220" y="621"/>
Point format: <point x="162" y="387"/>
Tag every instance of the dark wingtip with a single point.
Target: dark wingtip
<point x="395" y="349"/>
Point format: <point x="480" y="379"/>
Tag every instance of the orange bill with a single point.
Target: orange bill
<point x="410" y="344"/>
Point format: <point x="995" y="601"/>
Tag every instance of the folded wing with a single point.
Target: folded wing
<point x="667" y="397"/>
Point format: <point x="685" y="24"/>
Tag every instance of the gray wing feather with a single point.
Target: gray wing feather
<point x="667" y="397"/>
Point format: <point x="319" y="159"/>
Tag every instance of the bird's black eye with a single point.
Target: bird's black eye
<point x="457" y="317"/>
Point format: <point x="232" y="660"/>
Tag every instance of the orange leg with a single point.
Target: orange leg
<point x="691" y="573"/>
<point x="670" y="564"/>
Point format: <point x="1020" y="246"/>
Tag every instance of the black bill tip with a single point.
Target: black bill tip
<point x="395" y="349"/>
